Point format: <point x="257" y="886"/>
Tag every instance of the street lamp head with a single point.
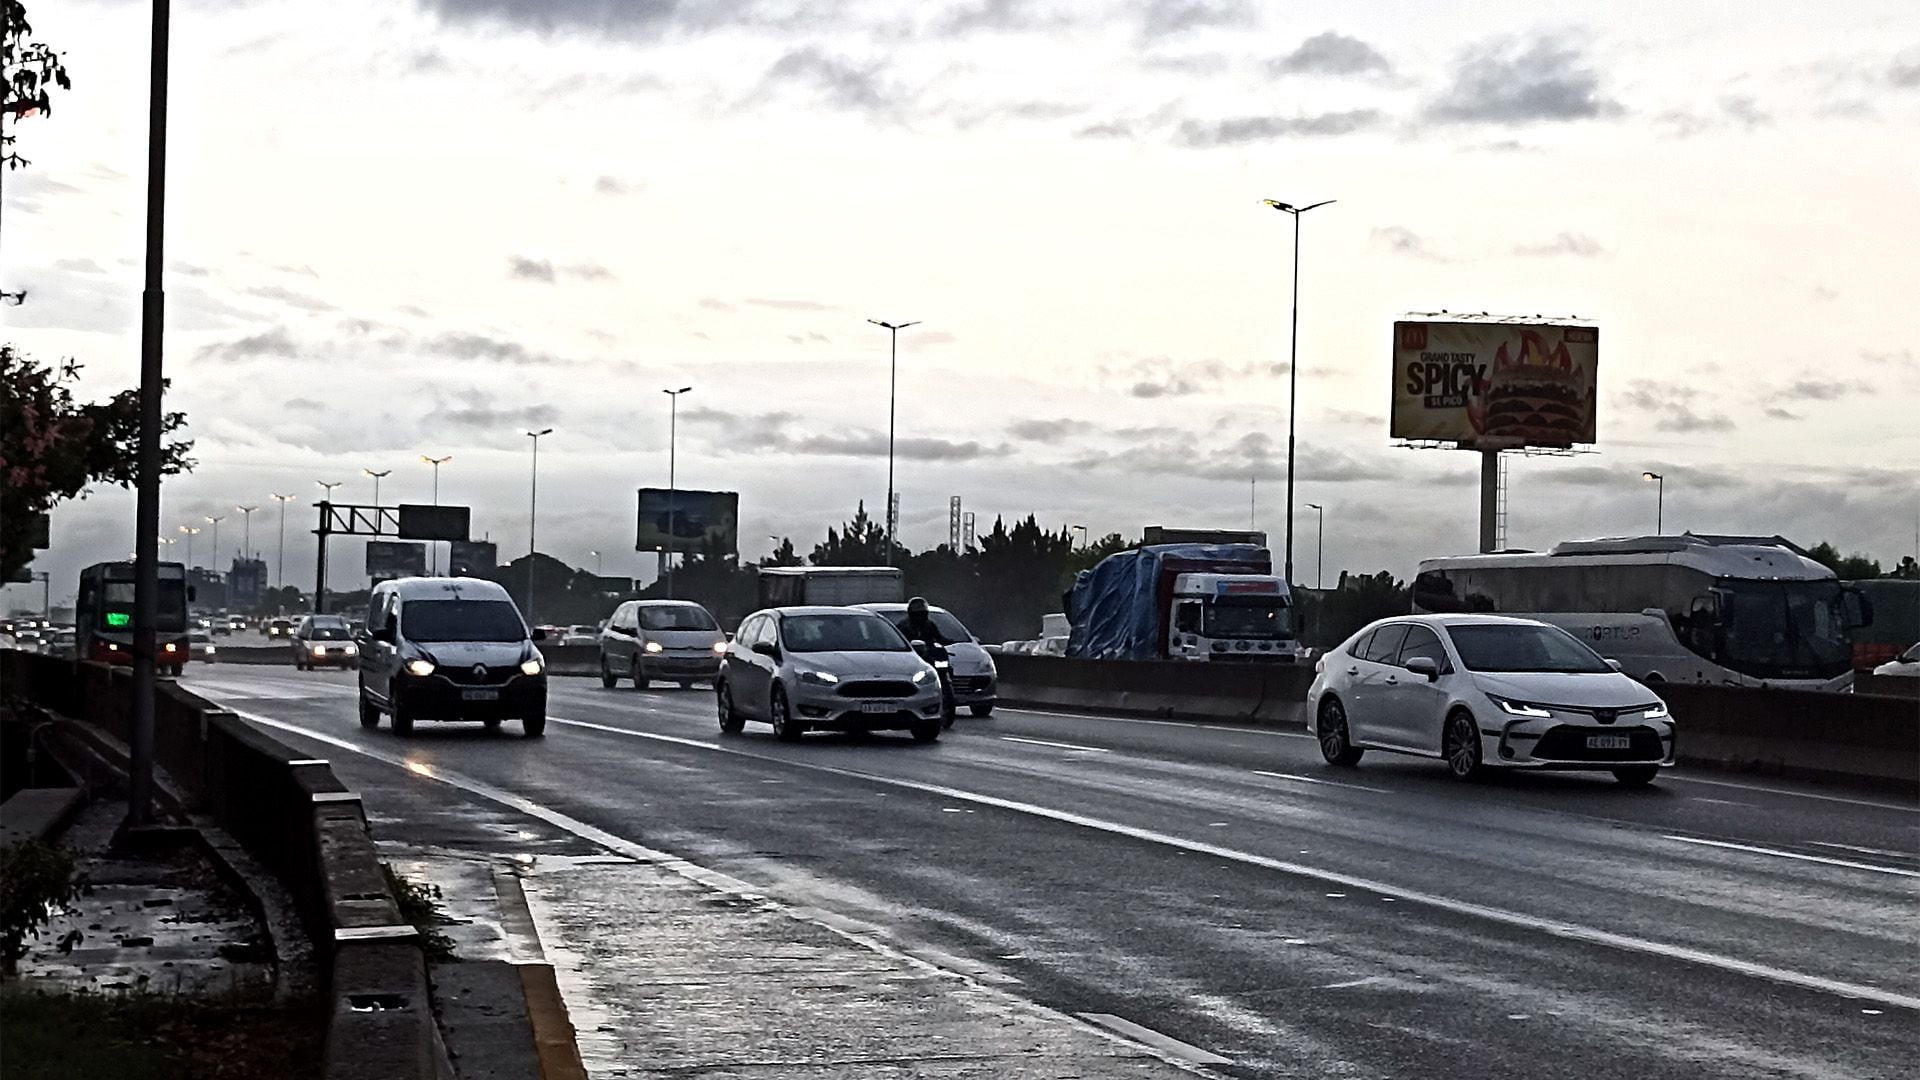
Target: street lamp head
<point x="1278" y="205"/>
<point x="677" y="393"/>
<point x="377" y="475"/>
<point x="1315" y="506"/>
<point x="284" y="498"/>
<point x="1296" y="211"/>
<point x="542" y="431"/>
<point x="246" y="509"/>
<point x="894" y="326"/>
<point x="1651" y="476"/>
<point x="436" y="460"/>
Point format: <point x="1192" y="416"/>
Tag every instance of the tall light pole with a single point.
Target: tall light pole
<point x="246" y="529"/>
<point x="433" y="549"/>
<point x="215" y="522"/>
<point x="328" y="488"/>
<point x="673" y="496"/>
<point x="533" y="514"/>
<point x="280" y="560"/>
<point x="1293" y="360"/>
<point x="596" y="562"/>
<point x="1319" y="545"/>
<point x="377" y="477"/>
<point x="893" y="386"/>
<point x="191" y="533"/>
<point x="1082" y="530"/>
<point x="1660" y="503"/>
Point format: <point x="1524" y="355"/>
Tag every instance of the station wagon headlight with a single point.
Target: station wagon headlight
<point x="530" y="666"/>
<point x="818" y="678"/>
<point x="654" y="646"/>
<point x="422" y="668"/>
<point x="922" y="675"/>
<point x="1521" y="708"/>
<point x="1656" y="711"/>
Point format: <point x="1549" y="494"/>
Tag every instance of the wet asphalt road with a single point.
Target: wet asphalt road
<point x="1224" y="887"/>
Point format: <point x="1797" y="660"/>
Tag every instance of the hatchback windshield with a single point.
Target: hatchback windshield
<point x="676" y="617"/>
<point x="1524" y="648"/>
<point x="461" y="620"/>
<point x="840" y="633"/>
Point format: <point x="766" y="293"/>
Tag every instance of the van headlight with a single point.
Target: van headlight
<point x="1521" y="708"/>
<point x="654" y="646"/>
<point x="531" y="666"/>
<point x="421" y="668"/>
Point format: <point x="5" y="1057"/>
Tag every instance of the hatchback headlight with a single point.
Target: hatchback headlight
<point x="422" y="668"/>
<point x="1521" y="708"/>
<point x="818" y="678"/>
<point x="922" y="675"/>
<point x="531" y="666"/>
<point x="654" y="646"/>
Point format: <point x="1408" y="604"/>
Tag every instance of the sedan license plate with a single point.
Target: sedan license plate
<point x="1609" y="742"/>
<point x="479" y="695"/>
<point x="879" y="707"/>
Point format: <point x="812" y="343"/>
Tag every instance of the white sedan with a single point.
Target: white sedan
<point x="1907" y="663"/>
<point x="1480" y="691"/>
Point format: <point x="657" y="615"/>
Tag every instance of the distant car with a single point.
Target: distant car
<point x="324" y="641"/>
<point x="27" y="639"/>
<point x="200" y="646"/>
<point x="580" y="634"/>
<point x="843" y="669"/>
<point x="975" y="679"/>
<point x="63" y="643"/>
<point x="280" y="629"/>
<point x="675" y="640"/>
<point x="1907" y="663"/>
<point x="236" y="623"/>
<point x="1482" y="692"/>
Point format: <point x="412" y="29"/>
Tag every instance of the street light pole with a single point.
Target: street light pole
<point x="1660" y="503"/>
<point x="533" y="515"/>
<point x="320" y="553"/>
<point x="1293" y="361"/>
<point x="1082" y="530"/>
<point x="377" y="477"/>
<point x="280" y="560"/>
<point x="215" y="522"/>
<point x="893" y="386"/>
<point x="1319" y="545"/>
<point x="191" y="533"/>
<point x="433" y="549"/>
<point x="246" y="529"/>
<point x="673" y="495"/>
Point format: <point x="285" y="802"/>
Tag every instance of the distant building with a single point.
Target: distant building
<point x="246" y="584"/>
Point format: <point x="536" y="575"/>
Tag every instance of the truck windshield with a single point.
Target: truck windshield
<point x="1784" y="629"/>
<point x="1262" y="618"/>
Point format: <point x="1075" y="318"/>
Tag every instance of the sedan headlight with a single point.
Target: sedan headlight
<point x="531" y="666"/>
<point x="1521" y="708"/>
<point x="1656" y="711"/>
<point x="818" y="678"/>
<point x="654" y="646"/>
<point x="922" y="675"/>
<point x="422" y="668"/>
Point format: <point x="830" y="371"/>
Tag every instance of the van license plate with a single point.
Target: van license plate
<point x="479" y="695"/>
<point x="879" y="707"/>
<point x="1609" y="742"/>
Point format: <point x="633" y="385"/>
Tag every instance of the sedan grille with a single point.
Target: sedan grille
<point x="877" y="688"/>
<point x="1569" y="743"/>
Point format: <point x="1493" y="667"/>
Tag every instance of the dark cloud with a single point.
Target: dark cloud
<point x="289" y="297"/>
<point x="613" y="185"/>
<point x="1161" y="376"/>
<point x="1256" y="454"/>
<point x="1671" y="407"/>
<point x="462" y="345"/>
<point x="1400" y="240"/>
<point x="1048" y="431"/>
<point x="811" y="337"/>
<point x="1109" y="129"/>
<point x="27" y="189"/>
<point x="624" y="18"/>
<point x="301" y="404"/>
<point x="1775" y="412"/>
<point x="79" y="266"/>
<point x="1814" y="388"/>
<point x="1732" y="113"/>
<point x="999" y="16"/>
<point x="1823" y="294"/>
<point x="479" y="414"/>
<point x="1331" y="53"/>
<point x="769" y="432"/>
<point x="835" y="80"/>
<point x="588" y="271"/>
<point x="1161" y="17"/>
<point x="274" y="343"/>
<point x="1901" y="358"/>
<point x="1567" y="243"/>
<point x="524" y="269"/>
<point x="1510" y="81"/>
<point x="1245" y="129"/>
<point x="1904" y="72"/>
<point x="790" y="305"/>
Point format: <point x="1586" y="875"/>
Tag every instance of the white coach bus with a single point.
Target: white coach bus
<point x="1729" y="610"/>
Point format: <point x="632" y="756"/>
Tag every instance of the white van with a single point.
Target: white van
<point x="450" y="649"/>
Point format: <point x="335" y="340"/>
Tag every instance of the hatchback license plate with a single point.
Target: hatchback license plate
<point x="479" y="695"/>
<point x="1609" y="742"/>
<point x="879" y="707"/>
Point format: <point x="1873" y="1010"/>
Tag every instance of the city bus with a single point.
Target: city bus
<point x="1728" y="610"/>
<point x="103" y="616"/>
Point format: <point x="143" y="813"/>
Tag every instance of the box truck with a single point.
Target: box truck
<point x="1215" y="603"/>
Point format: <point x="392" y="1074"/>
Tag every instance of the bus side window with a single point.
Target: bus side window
<point x="1433" y="591"/>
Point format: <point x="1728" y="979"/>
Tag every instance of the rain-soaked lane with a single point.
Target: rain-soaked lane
<point x="1275" y="971"/>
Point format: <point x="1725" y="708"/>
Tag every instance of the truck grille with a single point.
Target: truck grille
<point x="877" y="688"/>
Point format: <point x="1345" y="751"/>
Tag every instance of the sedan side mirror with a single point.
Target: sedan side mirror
<point x="767" y="648"/>
<point x="1614" y="664"/>
<point x="1424" y="666"/>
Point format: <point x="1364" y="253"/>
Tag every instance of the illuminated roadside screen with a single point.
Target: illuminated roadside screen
<point x="119" y="620"/>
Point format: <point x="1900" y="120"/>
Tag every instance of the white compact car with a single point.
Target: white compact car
<point x="1907" y="663"/>
<point x="1484" y="691"/>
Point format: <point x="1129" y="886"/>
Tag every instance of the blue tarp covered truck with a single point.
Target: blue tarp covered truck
<point x="1202" y="602"/>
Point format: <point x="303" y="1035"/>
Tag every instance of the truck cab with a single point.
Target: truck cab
<point x="1232" y="618"/>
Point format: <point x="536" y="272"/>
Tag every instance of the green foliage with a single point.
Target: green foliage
<point x="1855" y="567"/>
<point x="52" y="448"/>
<point x="31" y="71"/>
<point x="1331" y="616"/>
<point x="36" y="883"/>
<point x="420" y="906"/>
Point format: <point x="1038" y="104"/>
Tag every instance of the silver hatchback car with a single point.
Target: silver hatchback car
<point x="839" y="669"/>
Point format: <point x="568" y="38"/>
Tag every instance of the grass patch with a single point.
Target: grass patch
<point x="47" y="1037"/>
<point x="420" y="906"/>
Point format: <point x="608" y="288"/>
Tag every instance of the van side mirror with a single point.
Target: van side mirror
<point x="539" y="634"/>
<point x="1424" y="666"/>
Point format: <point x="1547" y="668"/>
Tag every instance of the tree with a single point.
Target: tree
<point x="784" y="555"/>
<point x="29" y="71"/>
<point x="1855" y="567"/>
<point x="53" y="449"/>
<point x="862" y="542"/>
<point x="1908" y="569"/>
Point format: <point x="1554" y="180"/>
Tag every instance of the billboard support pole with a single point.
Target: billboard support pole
<point x="1489" y="498"/>
<point x="320" y="560"/>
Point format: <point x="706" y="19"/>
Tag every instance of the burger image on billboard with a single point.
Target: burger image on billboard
<point x="1495" y="383"/>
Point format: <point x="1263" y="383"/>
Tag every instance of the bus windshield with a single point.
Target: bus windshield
<point x="1784" y="629"/>
<point x="116" y="608"/>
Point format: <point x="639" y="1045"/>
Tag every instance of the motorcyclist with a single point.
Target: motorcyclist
<point x="920" y="625"/>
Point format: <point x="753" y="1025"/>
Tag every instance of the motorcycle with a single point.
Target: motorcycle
<point x="936" y="654"/>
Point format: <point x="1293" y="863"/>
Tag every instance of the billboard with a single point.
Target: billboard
<point x="688" y="521"/>
<point x="389" y="559"/>
<point x="1494" y="385"/>
<point x="471" y="558"/>
<point x="418" y="522"/>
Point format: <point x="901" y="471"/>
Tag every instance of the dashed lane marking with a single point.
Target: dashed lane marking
<point x="1778" y="854"/>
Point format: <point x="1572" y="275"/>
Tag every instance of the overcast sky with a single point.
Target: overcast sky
<point x="398" y="229"/>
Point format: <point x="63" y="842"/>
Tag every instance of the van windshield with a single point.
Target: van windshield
<point x="461" y="620"/>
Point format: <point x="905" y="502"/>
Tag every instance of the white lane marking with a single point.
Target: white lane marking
<point x="1244" y="730"/>
<point x="1514" y="919"/>
<point x="1317" y="780"/>
<point x="1761" y="788"/>
<point x="1146" y="1036"/>
<point x="1061" y="745"/>
<point x="1717" y="802"/>
<point x="1866" y="850"/>
<point x="1778" y="854"/>
<point x="862" y="934"/>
